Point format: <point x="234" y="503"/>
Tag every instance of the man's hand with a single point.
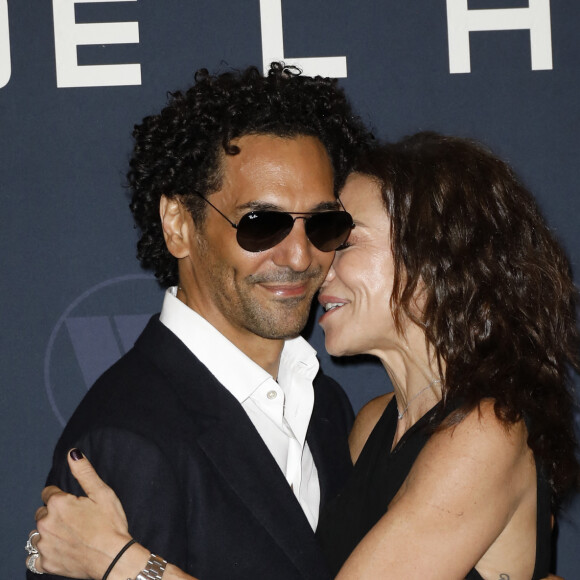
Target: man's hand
<point x="80" y="536"/>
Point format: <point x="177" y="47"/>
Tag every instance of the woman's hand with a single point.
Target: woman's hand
<point x="80" y="536"/>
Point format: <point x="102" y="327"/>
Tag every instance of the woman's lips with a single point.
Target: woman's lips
<point x="330" y="304"/>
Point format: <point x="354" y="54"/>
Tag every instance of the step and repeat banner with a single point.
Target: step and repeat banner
<point x="76" y="75"/>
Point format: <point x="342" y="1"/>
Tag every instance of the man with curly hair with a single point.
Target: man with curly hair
<point x="219" y="416"/>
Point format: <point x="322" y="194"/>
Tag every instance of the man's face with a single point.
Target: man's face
<point x="265" y="294"/>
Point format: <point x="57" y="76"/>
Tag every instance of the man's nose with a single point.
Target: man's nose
<point x="295" y="250"/>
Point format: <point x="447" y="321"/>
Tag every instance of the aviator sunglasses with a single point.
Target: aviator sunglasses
<point x="260" y="230"/>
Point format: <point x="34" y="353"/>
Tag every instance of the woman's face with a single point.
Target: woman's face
<point x="357" y="289"/>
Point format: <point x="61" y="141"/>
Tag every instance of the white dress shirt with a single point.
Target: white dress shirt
<point x="280" y="411"/>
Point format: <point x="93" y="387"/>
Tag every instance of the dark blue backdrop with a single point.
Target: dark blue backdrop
<point x="76" y="75"/>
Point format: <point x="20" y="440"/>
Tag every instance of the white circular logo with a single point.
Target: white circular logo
<point x="94" y="331"/>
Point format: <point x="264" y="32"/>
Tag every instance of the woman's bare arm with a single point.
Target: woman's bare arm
<point x="460" y="496"/>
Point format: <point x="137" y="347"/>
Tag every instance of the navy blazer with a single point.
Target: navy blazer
<point x="198" y="484"/>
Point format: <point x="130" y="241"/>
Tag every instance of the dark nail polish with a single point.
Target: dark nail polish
<point x="76" y="454"/>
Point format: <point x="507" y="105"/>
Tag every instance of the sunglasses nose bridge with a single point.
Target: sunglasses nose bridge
<point x="304" y="232"/>
<point x="295" y="249"/>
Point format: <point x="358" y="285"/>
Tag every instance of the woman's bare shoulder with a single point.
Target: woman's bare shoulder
<point x="481" y="434"/>
<point x="483" y="420"/>
<point x="365" y="422"/>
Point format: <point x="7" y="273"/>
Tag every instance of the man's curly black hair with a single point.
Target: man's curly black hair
<point x="180" y="150"/>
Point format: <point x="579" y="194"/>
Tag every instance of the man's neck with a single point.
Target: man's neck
<point x="266" y="355"/>
<point x="265" y="352"/>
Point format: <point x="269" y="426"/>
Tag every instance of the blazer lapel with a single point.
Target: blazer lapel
<point x="320" y="441"/>
<point x="245" y="463"/>
<point x="237" y="451"/>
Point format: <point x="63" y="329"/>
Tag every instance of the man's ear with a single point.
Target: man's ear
<point x="176" y="222"/>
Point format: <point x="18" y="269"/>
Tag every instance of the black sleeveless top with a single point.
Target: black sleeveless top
<point x="376" y="479"/>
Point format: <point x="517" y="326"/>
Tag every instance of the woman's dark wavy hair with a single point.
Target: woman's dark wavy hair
<point x="180" y="150"/>
<point x="500" y="304"/>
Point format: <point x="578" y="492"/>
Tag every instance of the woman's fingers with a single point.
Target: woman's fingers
<point x="86" y="475"/>
<point x="49" y="492"/>
<point x="41" y="512"/>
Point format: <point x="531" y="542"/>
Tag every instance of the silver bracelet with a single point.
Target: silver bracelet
<point x="154" y="569"/>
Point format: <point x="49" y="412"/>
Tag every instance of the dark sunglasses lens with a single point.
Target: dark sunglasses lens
<point x="262" y="230"/>
<point x="329" y="230"/>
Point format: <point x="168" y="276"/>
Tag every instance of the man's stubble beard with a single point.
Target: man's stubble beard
<point x="277" y="319"/>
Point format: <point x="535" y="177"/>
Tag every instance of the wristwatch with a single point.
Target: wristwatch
<point x="154" y="569"/>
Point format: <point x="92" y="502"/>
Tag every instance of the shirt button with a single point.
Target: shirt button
<point x="271" y="395"/>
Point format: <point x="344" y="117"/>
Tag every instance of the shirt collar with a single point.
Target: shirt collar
<point x="241" y="375"/>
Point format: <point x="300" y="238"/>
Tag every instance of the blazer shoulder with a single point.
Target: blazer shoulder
<point x="156" y="385"/>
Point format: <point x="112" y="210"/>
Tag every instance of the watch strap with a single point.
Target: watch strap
<point x="153" y="570"/>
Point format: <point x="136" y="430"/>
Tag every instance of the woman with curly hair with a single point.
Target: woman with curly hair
<point x="453" y="280"/>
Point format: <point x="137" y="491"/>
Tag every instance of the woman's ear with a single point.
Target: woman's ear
<point x="176" y="222"/>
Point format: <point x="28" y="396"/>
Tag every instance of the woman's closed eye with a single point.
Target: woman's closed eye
<point x="343" y="246"/>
